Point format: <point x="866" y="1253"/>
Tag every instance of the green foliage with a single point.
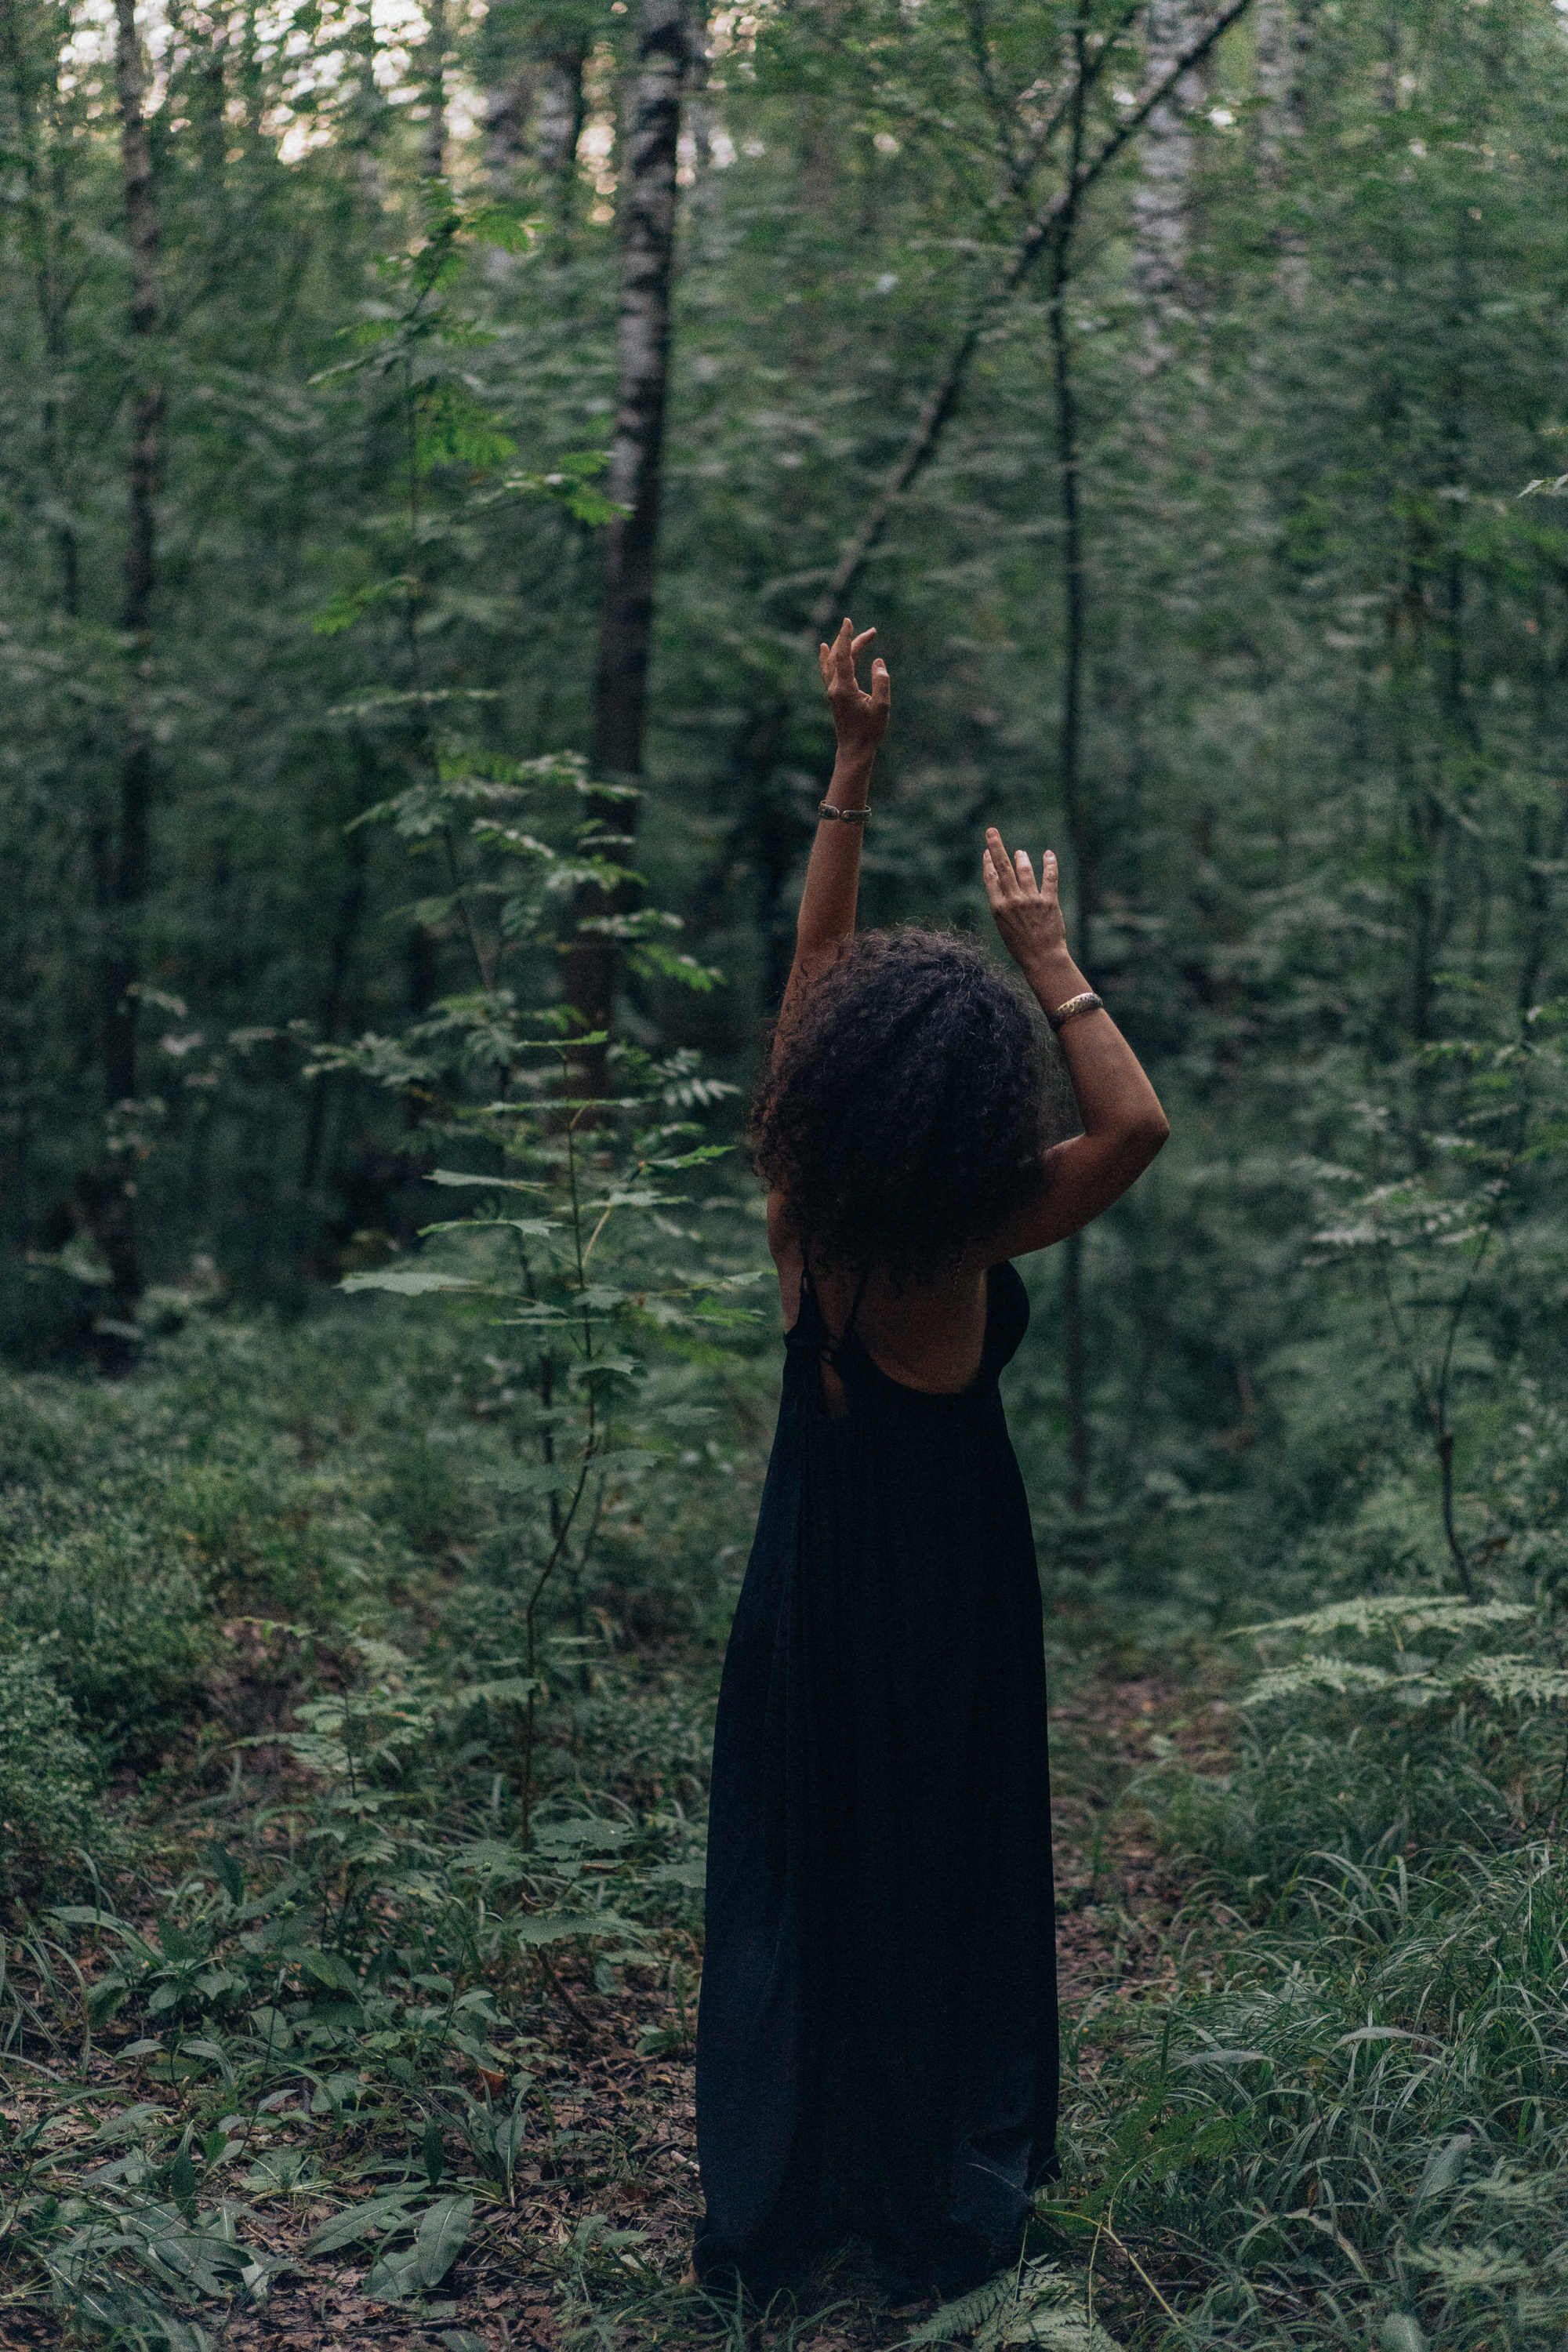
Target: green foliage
<point x="1035" y="2304"/>
<point x="284" y="1568"/>
<point x="47" y="1818"/>
<point x="361" y="1926"/>
<point x="1363" y="2113"/>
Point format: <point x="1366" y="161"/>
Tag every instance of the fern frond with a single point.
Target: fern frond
<point x="1412" y="1612"/>
<point x="955" y="2320"/>
<point x="1039" y="2304"/>
<point x="1514" y="1681"/>
<point x="1460" y="2267"/>
<point x="1339" y="1675"/>
<point x="1061" y="2329"/>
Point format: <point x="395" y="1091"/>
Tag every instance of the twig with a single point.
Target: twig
<point x="1143" y="2273"/>
<point x="942" y="399"/>
<point x="556" y="1987"/>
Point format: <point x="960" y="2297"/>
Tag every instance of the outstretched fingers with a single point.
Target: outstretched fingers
<point x="837" y="662"/>
<point x="1010" y="882"/>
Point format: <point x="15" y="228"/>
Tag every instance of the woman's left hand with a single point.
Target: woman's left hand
<point x="1028" y="914"/>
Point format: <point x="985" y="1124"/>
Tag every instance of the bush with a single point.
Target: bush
<point x="47" y="1779"/>
<point x="130" y="1633"/>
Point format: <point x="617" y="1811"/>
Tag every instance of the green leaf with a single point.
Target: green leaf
<point x="535" y="1228"/>
<point x="392" y="2276"/>
<point x="218" y="1858"/>
<point x="678" y="1873"/>
<point x="330" y="1968"/>
<point x="533" y="1478"/>
<point x="442" y="2234"/>
<point x="560" y="1927"/>
<point x="82" y="1915"/>
<point x="377" y="2213"/>
<point x="484" y="1184"/>
<point x="1337" y="1675"/>
<point x="343" y="609"/>
<point x="410" y="1282"/>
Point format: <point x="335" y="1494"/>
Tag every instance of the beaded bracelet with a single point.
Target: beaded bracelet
<point x="844" y="816"/>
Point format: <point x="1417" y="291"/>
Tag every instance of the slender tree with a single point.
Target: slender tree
<point x="1160" y="201"/>
<point x="664" y="57"/>
<point x="32" y="66"/>
<point x="1082" y="831"/>
<point x="122" y="851"/>
<point x="1030" y="160"/>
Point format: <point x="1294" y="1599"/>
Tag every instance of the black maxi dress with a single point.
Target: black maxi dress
<point x="877" y="2048"/>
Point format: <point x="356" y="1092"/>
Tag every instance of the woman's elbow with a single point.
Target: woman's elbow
<point x="1151" y="1136"/>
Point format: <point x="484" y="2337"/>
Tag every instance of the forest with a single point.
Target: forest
<point x="436" y="435"/>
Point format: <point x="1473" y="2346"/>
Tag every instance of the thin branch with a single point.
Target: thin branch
<point x="942" y="399"/>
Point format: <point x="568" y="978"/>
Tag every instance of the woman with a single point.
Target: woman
<point x="877" y="2044"/>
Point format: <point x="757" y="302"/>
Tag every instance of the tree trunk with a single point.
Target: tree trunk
<point x="1160" y="228"/>
<point x="340" y="959"/>
<point x="1082" y="836"/>
<point x="763" y="734"/>
<point x="433" y="159"/>
<point x="45" y="160"/>
<point x="535" y="113"/>
<point x="562" y="112"/>
<point x="119" y="968"/>
<point x="664" y="51"/>
<point x="1284" y="31"/>
<point x="1284" y="39"/>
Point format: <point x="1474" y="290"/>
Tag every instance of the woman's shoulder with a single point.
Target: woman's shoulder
<point x="787" y="1253"/>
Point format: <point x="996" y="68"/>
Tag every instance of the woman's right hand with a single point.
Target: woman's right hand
<point x="1028" y="913"/>
<point x="861" y="719"/>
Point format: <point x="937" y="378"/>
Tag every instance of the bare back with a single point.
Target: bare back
<point x="931" y="1338"/>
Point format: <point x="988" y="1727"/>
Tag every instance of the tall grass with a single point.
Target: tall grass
<point x="1348" y="2123"/>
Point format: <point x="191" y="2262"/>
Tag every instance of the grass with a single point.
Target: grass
<point x="304" y="2039"/>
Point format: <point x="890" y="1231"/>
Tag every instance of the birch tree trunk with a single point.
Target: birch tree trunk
<point x="536" y="115"/>
<point x="1159" y="202"/>
<point x="664" y="65"/>
<point x="1284" y="33"/>
<point x="433" y="157"/>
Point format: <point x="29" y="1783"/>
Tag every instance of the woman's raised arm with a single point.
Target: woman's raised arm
<point x="1123" y="1124"/>
<point x="833" y="876"/>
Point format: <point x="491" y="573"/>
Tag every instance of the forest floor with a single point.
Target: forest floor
<point x="624" y="2155"/>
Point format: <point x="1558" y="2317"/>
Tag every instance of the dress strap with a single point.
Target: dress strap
<point x="811" y="1297"/>
<point x="834" y="1351"/>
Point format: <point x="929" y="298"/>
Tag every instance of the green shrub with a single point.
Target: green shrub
<point x="130" y="1631"/>
<point x="47" y="1779"/>
<point x="33" y="1442"/>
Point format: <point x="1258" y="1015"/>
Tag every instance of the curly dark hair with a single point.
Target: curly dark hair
<point x="905" y="1105"/>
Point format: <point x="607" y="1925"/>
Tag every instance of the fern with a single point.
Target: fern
<point x="1317" y="1673"/>
<point x="1376" y="1614"/>
<point x="1469" y="2266"/>
<point x="1038" y="2305"/>
<point x="1064" y="2328"/>
<point x="970" y="2312"/>
<point x="1513" y="1680"/>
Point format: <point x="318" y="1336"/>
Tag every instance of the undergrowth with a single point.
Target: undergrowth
<point x="308" y="1983"/>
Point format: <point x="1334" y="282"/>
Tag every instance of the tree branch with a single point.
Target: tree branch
<point x="1059" y="212"/>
